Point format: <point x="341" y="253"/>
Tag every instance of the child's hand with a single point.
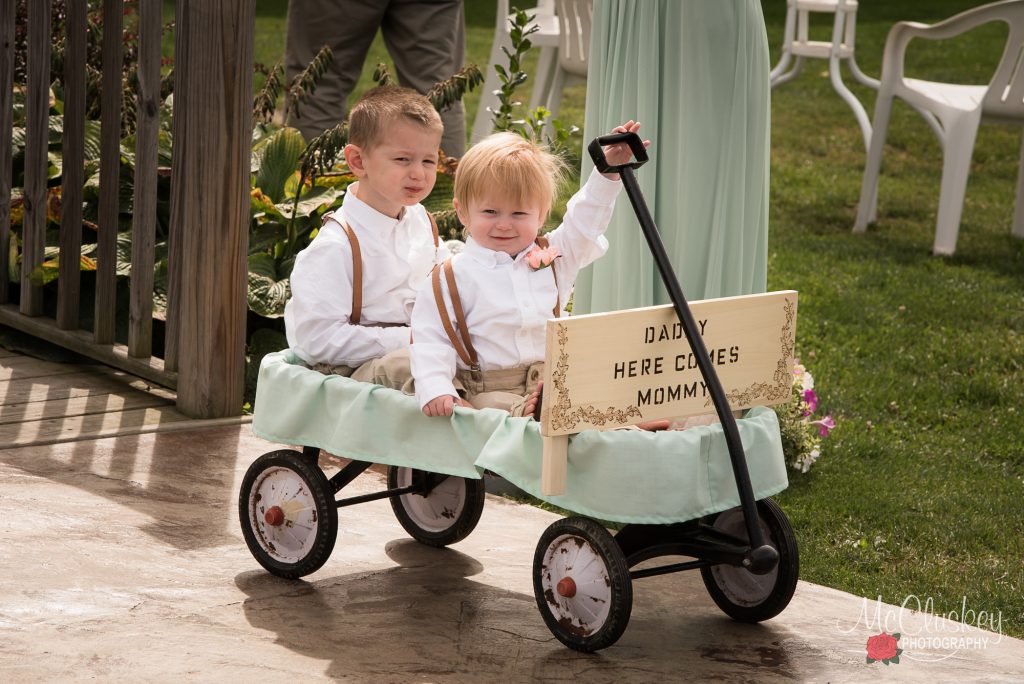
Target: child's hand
<point x="442" y="406"/>
<point x="619" y="153"/>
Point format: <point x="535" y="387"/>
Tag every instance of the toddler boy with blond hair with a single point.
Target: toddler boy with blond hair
<point x="479" y="325"/>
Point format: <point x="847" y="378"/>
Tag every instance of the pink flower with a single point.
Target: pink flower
<point x="810" y="400"/>
<point x="825" y="425"/>
<point x="539" y="258"/>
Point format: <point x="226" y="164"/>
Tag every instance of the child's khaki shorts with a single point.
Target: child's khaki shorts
<point x="506" y="389"/>
<point x="391" y="370"/>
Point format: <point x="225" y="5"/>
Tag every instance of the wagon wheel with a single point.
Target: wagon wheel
<point x="288" y="515"/>
<point x="741" y="594"/>
<point x="444" y="516"/>
<point x="582" y="584"/>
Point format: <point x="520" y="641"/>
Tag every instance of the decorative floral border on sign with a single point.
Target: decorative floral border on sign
<point x="563" y="416"/>
<point x="783" y="382"/>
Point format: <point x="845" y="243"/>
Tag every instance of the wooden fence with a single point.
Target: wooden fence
<point x="208" y="235"/>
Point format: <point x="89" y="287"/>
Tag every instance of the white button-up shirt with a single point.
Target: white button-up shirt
<point x="397" y="256"/>
<point x="507" y="303"/>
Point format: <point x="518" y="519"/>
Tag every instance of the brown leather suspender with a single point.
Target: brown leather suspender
<point x="357" y="264"/>
<point x="357" y="275"/>
<point x="465" y="351"/>
<point x="460" y="338"/>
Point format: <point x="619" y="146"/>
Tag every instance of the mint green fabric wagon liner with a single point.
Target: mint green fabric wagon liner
<point x="628" y="476"/>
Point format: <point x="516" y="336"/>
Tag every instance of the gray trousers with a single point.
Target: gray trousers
<point x="425" y="38"/>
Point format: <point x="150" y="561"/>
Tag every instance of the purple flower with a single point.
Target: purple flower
<point x="825" y="425"/>
<point x="810" y="400"/>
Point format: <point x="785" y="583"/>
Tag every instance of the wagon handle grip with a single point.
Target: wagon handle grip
<point x="636" y="146"/>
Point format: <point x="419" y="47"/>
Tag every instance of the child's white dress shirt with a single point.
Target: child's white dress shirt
<point x="506" y="302"/>
<point x="397" y="256"/>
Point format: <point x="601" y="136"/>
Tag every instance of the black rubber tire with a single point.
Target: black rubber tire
<point x="741" y="594"/>
<point x="451" y="526"/>
<point x="557" y="611"/>
<point x="322" y="513"/>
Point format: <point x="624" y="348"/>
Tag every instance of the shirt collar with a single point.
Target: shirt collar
<point x="489" y="257"/>
<point x="361" y="213"/>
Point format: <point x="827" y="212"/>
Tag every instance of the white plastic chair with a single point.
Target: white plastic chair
<point x="546" y="38"/>
<point x="574" y="18"/>
<point x="796" y="43"/>
<point x="958" y="110"/>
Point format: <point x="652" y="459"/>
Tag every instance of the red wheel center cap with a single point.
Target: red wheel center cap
<point x="274" y="516"/>
<point x="566" y="587"/>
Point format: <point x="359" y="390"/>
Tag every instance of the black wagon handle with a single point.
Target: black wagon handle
<point x="636" y="146"/>
<point x="761" y="557"/>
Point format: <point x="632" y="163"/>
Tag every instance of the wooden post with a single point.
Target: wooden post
<point x="72" y="172"/>
<point x="6" y="118"/>
<point x="174" y="256"/>
<point x="213" y="204"/>
<point x="110" y="171"/>
<point x="554" y="465"/>
<point x="140" y="316"/>
<point x="37" y="136"/>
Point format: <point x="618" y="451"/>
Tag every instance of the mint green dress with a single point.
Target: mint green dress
<point x="694" y="73"/>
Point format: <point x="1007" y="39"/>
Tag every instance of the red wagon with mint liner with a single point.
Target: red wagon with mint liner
<point x="701" y="493"/>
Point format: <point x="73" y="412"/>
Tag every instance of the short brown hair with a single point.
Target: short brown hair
<point x="382" y="106"/>
<point x="509" y="164"/>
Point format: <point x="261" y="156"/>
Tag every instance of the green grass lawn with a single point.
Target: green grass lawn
<point x="920" y="489"/>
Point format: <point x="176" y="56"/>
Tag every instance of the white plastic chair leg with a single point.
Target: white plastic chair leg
<point x="483" y="124"/>
<point x="836" y="75"/>
<point x="867" y="208"/>
<point x="554" y="98"/>
<point x="860" y="76"/>
<point x="788" y="76"/>
<point x="780" y="68"/>
<point x="956" y="164"/>
<point x="547" y="66"/>
<point x="1018" y="207"/>
<point x="851" y="100"/>
<point x="933" y="123"/>
<point x="850" y="26"/>
<point x="787" y="39"/>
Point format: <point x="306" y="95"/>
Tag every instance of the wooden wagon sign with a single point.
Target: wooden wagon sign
<point x="616" y="369"/>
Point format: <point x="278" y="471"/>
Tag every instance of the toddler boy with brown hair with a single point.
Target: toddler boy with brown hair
<point x="353" y="287"/>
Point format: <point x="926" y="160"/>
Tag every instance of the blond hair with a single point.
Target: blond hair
<point x="509" y="164"/>
<point x="379" y="108"/>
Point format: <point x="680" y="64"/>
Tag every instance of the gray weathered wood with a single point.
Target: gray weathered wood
<point x="110" y="167"/>
<point x="6" y="116"/>
<point x="68" y="386"/>
<point x="68" y="293"/>
<point x="91" y="404"/>
<point x="174" y="238"/>
<point x="36" y="139"/>
<point x="90" y="426"/>
<point x="82" y="342"/>
<point x="214" y="220"/>
<point x="28" y="368"/>
<point x="140" y="317"/>
<point x="42" y="403"/>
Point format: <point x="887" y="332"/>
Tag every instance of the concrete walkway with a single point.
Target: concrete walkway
<point x="123" y="562"/>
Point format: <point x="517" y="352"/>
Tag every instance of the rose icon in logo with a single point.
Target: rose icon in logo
<point x="884" y="647"/>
